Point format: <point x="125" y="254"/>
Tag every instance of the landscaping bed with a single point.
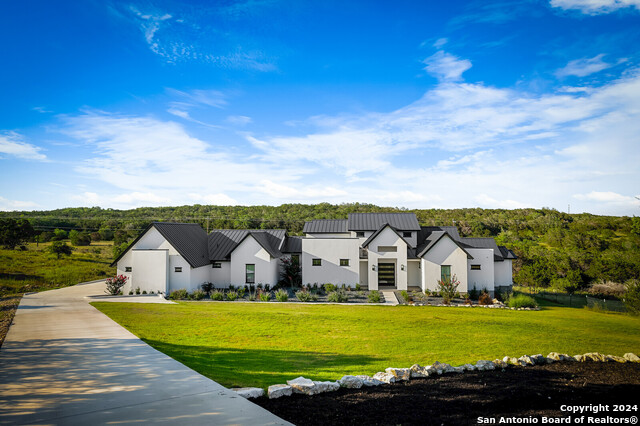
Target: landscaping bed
<point x="455" y="399"/>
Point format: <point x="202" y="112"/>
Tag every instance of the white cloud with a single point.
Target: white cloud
<point x="583" y="67"/>
<point x="487" y="201"/>
<point x="141" y="198"/>
<point x="608" y="197"/>
<point x="239" y="120"/>
<point x="315" y="192"/>
<point x="12" y="144"/>
<point x="219" y="199"/>
<point x="595" y="7"/>
<point x="445" y="66"/>
<point x="12" y="205"/>
<point x="440" y="42"/>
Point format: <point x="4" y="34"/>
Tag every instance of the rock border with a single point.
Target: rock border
<point x="302" y="385"/>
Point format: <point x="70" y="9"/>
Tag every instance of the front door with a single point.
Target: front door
<point x="387" y="274"/>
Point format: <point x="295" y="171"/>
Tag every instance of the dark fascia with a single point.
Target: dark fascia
<point x="267" y="247"/>
<point x="375" y="234"/>
<point x="426" y="249"/>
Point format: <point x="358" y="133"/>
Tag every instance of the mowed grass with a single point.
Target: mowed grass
<point x="239" y="344"/>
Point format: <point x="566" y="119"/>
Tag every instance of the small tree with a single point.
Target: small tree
<point x="632" y="296"/>
<point x="15" y="232"/>
<point x="59" y="248"/>
<point x="59" y="235"/>
<point x="448" y="288"/>
<point x="291" y="274"/>
<point x="115" y="284"/>
<point x="79" y="238"/>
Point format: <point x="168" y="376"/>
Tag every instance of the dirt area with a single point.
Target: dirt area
<point x="8" y="306"/>
<point x="456" y="399"/>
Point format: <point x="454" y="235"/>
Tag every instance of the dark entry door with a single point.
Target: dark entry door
<point x="387" y="274"/>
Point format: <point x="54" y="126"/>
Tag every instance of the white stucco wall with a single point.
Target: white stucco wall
<point x="199" y="276"/>
<point x="445" y="252"/>
<point x="179" y="280"/>
<point x="251" y="252"/>
<point x="503" y="273"/>
<point x="221" y="277"/>
<point x="388" y="238"/>
<point x="330" y="251"/>
<point x="149" y="271"/>
<point x="484" y="278"/>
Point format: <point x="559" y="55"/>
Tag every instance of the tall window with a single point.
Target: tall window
<point x="250" y="273"/>
<point x="445" y="273"/>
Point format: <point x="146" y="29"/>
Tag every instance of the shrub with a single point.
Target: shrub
<point x="232" y="287"/>
<point x="115" y="284"/>
<point x="474" y="294"/>
<point x="59" y="248"/>
<point x="282" y="295"/>
<point x="521" y="301"/>
<point x="240" y="292"/>
<point x="144" y="291"/>
<point x="179" y="294"/>
<point x="374" y="296"/>
<point x="405" y="295"/>
<point x="448" y="288"/>
<point x="485" y="299"/>
<point x="358" y="287"/>
<point x="291" y="272"/>
<point x="604" y="289"/>
<point x="306" y="296"/>
<point x="632" y="296"/>
<point x="217" y="295"/>
<point x="197" y="295"/>
<point x="267" y="287"/>
<point x="137" y="290"/>
<point x="207" y="287"/>
<point x="79" y="238"/>
<point x="232" y="295"/>
<point x="264" y="296"/>
<point x="329" y="288"/>
<point x="338" y="296"/>
<point x="130" y="292"/>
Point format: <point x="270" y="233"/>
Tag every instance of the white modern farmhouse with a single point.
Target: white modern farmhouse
<point x="376" y="250"/>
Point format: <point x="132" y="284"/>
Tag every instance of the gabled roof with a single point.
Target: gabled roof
<point x="373" y="221"/>
<point x="506" y="253"/>
<point x="292" y="245"/>
<point x="325" y="226"/>
<point x="433" y="239"/>
<point x="484" y="243"/>
<point x="224" y="241"/>
<point x="375" y="234"/>
<point x="189" y="239"/>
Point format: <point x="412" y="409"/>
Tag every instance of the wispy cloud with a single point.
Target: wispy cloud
<point x="184" y="101"/>
<point x="595" y="7"/>
<point x="445" y="66"/>
<point x="239" y="120"/>
<point x="585" y="66"/>
<point x="13" y="144"/>
<point x="11" y="205"/>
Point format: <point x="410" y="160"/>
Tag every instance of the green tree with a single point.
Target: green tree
<point x="632" y="296"/>
<point x="15" y="232"/>
<point x="119" y="249"/>
<point x="79" y="238"/>
<point x="291" y="274"/>
<point x="60" y="248"/>
<point x="59" y="235"/>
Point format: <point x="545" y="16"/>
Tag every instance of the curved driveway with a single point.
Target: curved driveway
<point x="64" y="362"/>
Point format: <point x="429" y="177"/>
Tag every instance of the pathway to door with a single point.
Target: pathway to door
<point x="64" y="362"/>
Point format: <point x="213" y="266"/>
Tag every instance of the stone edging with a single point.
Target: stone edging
<point x="305" y="386"/>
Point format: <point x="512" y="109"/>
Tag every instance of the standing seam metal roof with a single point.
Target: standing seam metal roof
<point x="373" y="221"/>
<point x="223" y="241"/>
<point x="325" y="226"/>
<point x="189" y="239"/>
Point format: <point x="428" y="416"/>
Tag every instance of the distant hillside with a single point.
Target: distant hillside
<point x="555" y="249"/>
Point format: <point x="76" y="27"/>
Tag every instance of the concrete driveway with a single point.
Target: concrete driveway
<point x="64" y="362"/>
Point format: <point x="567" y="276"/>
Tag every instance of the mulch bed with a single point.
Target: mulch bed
<point x="455" y="399"/>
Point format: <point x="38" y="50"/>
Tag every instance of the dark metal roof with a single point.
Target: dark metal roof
<point x="433" y="239"/>
<point x="506" y="253"/>
<point x="451" y="230"/>
<point x="484" y="243"/>
<point x="375" y="234"/>
<point x="292" y="245"/>
<point x="325" y="226"/>
<point x="373" y="221"/>
<point x="223" y="241"/>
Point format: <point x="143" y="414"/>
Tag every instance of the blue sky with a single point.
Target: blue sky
<point x="416" y="104"/>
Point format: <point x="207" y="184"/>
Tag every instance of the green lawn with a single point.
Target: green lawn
<point x="238" y="344"/>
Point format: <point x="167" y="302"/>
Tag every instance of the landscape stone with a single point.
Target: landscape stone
<point x="276" y="391"/>
<point x="469" y="367"/>
<point x="399" y="373"/>
<point x="418" y="371"/>
<point x="321" y="387"/>
<point x="351" y="382"/>
<point x="580" y="358"/>
<point x="249" y="392"/>
<point x="500" y="363"/>
<point x="526" y="359"/>
<point x="369" y="381"/>
<point x="458" y="369"/>
<point x="616" y="358"/>
<point x="485" y="365"/>
<point x="595" y="357"/>
<point x="302" y="385"/>
<point x="385" y="377"/>
<point x="631" y="357"/>
<point x="539" y="359"/>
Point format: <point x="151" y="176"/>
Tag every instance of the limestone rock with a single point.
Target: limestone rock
<point x="276" y="391"/>
<point x="321" y="387"/>
<point x="631" y="357"/>
<point x="485" y="365"/>
<point x="580" y="358"/>
<point x="538" y="359"/>
<point x="369" y="381"/>
<point x="302" y="385"/>
<point x="351" y="382"/>
<point x="595" y="357"/>
<point x="469" y="367"/>
<point x="500" y="363"/>
<point x="418" y="371"/>
<point x="399" y="373"/>
<point x="249" y="392"/>
<point x="385" y="377"/>
<point x="458" y="369"/>
<point x="527" y="360"/>
<point x="616" y="358"/>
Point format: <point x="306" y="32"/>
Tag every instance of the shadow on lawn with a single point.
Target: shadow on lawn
<point x="232" y="367"/>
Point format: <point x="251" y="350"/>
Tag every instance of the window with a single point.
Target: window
<point x="295" y="258"/>
<point x="385" y="249"/>
<point x="316" y="262"/>
<point x="475" y="267"/>
<point x="250" y="273"/>
<point x="127" y="268"/>
<point x="360" y="234"/>
<point x="178" y="269"/>
<point x="406" y="234"/>
<point x="344" y="262"/>
<point x="445" y="273"/>
<point x="216" y="265"/>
